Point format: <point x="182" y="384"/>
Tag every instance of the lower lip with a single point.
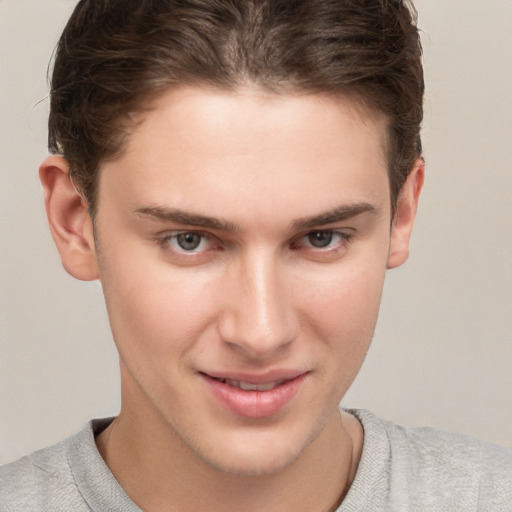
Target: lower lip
<point x="255" y="404"/>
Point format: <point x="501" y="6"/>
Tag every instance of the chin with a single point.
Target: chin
<point x="254" y="464"/>
<point x="250" y="456"/>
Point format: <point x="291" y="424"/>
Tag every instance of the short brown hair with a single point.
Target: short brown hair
<point x="115" y="55"/>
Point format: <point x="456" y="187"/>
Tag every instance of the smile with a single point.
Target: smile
<point x="247" y="386"/>
<point x="252" y="396"/>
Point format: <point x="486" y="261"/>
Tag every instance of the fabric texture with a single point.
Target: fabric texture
<point x="401" y="469"/>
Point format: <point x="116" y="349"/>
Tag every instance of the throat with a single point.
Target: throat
<point x="162" y="472"/>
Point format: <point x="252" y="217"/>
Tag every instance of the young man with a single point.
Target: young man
<point x="239" y="174"/>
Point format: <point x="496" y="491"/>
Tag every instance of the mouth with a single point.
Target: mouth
<point x="255" y="396"/>
<point x="249" y="386"/>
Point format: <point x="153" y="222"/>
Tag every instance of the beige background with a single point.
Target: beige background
<point x="442" y="353"/>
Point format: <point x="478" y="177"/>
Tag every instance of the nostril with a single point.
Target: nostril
<point x="257" y="315"/>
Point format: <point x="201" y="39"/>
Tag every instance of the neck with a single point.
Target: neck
<point x="161" y="474"/>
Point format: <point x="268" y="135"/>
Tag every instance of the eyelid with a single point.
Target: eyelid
<point x="163" y="239"/>
<point x="298" y="242"/>
<point x="345" y="234"/>
<point x="170" y="233"/>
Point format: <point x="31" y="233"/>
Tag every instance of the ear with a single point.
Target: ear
<point x="69" y="220"/>
<point x="406" y="206"/>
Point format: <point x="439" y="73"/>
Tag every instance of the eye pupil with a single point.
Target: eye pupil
<point x="189" y="241"/>
<point x="320" y="238"/>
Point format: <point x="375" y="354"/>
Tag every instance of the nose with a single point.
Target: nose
<point x="258" y="317"/>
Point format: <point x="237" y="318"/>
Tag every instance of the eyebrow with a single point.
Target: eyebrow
<point x="338" y="214"/>
<point x="190" y="219"/>
<point x="178" y="216"/>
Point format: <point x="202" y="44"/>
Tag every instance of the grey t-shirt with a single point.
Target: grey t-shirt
<point x="401" y="469"/>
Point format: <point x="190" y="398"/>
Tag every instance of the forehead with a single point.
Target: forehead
<point x="211" y="107"/>
<point x="215" y="147"/>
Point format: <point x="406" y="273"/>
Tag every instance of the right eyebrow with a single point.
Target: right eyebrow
<point x="178" y="216"/>
<point x="187" y="219"/>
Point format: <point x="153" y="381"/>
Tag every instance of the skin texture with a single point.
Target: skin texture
<point x="251" y="176"/>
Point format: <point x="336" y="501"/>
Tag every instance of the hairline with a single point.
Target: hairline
<point x="130" y="121"/>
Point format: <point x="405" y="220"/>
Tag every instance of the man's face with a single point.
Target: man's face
<point x="243" y="240"/>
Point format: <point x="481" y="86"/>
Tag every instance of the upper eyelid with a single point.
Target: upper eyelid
<point x="345" y="232"/>
<point x="169" y="234"/>
<point x="344" y="235"/>
<point x="166" y="236"/>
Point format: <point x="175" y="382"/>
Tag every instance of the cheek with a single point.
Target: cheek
<point x="349" y="314"/>
<point x="342" y="314"/>
<point x="345" y="302"/>
<point x="153" y="309"/>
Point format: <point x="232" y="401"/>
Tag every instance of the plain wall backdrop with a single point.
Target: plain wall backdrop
<point x="442" y="352"/>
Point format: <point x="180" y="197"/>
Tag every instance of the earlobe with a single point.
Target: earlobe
<point x="407" y="204"/>
<point x="69" y="220"/>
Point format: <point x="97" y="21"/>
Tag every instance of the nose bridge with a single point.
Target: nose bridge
<point x="259" y="317"/>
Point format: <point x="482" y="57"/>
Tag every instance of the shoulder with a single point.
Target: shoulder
<point x="43" y="480"/>
<point x="454" y="454"/>
<point x="37" y="481"/>
<point x="426" y="465"/>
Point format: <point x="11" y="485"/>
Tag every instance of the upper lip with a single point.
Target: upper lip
<point x="257" y="378"/>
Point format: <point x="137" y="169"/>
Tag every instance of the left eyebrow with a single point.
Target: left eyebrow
<point x="338" y="214"/>
<point x="178" y="216"/>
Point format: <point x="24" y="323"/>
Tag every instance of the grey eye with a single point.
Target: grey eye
<point x="320" y="238"/>
<point x="189" y="241"/>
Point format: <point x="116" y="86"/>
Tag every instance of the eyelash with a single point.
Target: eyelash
<point x="299" y="243"/>
<point x="166" y="240"/>
<point x="344" y="239"/>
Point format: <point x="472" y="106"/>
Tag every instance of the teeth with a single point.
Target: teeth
<point x="247" y="386"/>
